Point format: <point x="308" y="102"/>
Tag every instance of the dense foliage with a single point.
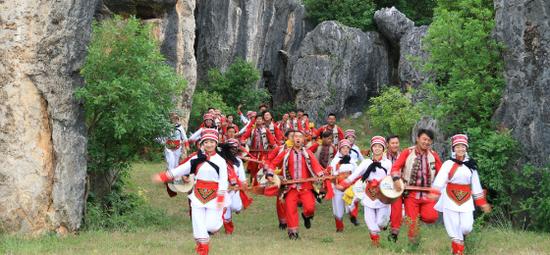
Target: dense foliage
<point x="226" y="90"/>
<point x="359" y="13"/>
<point x="420" y="11"/>
<point x="467" y="66"/>
<point x="353" y="13"/>
<point x="393" y="112"/>
<point x="127" y="98"/>
<point x="466" y="63"/>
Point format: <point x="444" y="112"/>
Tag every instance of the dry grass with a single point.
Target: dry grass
<point x="257" y="233"/>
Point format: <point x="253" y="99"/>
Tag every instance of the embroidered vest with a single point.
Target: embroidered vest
<point x="409" y="163"/>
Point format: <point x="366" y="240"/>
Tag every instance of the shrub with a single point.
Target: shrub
<point x="202" y="100"/>
<point x="353" y="13"/>
<point x="237" y="85"/>
<point x="467" y="65"/>
<point x="127" y="97"/>
<point x="393" y="112"/>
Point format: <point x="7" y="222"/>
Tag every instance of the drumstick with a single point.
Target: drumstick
<point x="251" y="160"/>
<point x="417" y="188"/>
<point x="309" y="180"/>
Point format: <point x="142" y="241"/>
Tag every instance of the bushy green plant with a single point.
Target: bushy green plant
<point x="353" y="13"/>
<point x="122" y="211"/>
<point x="237" y="85"/>
<point x="392" y="112"/>
<point x="520" y="193"/>
<point x="466" y="63"/>
<point x="127" y="96"/>
<point x="419" y="11"/>
<point x="202" y="100"/>
<point x="279" y="110"/>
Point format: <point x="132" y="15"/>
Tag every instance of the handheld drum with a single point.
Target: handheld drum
<point x="178" y="185"/>
<point x="387" y="193"/>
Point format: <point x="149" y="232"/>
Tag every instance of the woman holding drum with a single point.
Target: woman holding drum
<point x="373" y="171"/>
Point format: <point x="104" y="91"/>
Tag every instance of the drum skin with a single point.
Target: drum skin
<point x="387" y="193"/>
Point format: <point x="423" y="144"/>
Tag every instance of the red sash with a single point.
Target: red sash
<point x="173" y="144"/>
<point x="234" y="180"/>
<point x="205" y="191"/>
<point x="372" y="189"/>
<point x="459" y="193"/>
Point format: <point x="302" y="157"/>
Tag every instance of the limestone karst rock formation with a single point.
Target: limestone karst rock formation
<point x="42" y="132"/>
<point x="174" y="26"/>
<point x="337" y="67"/>
<point x="523" y="27"/>
<point x="262" y="32"/>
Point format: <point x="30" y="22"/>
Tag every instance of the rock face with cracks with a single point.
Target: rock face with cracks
<point x="522" y="26"/>
<point x="174" y="27"/>
<point x="406" y="40"/>
<point x="337" y="68"/>
<point x="42" y="132"/>
<point x="265" y="33"/>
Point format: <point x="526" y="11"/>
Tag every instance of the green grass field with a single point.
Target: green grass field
<point x="257" y="233"/>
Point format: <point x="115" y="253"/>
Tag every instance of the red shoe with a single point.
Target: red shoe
<point x="458" y="248"/>
<point x="229" y="227"/>
<point x="339" y="225"/>
<point x="375" y="238"/>
<point x="202" y="248"/>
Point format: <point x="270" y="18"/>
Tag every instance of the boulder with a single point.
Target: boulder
<point x="337" y="68"/>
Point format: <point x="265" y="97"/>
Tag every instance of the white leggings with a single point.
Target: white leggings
<point x="235" y="204"/>
<point x="377" y="218"/>
<point x="458" y="224"/>
<point x="338" y="204"/>
<point x="205" y="220"/>
<point x="172" y="157"/>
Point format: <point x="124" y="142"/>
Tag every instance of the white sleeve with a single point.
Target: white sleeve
<point x="241" y="172"/>
<point x="441" y="178"/>
<point x="181" y="170"/>
<point x="244" y="119"/>
<point x="359" y="155"/>
<point x="244" y="128"/>
<point x="196" y="136"/>
<point x="334" y="162"/>
<point x="476" y="184"/>
<point x="359" y="171"/>
<point x="222" y="183"/>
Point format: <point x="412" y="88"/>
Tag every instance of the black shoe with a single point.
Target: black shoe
<point x="354" y="221"/>
<point x="282" y="226"/>
<point x="307" y="221"/>
<point x="392" y="238"/>
<point x="293" y="236"/>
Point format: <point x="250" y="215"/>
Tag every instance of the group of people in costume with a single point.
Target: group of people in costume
<point x="315" y="163"/>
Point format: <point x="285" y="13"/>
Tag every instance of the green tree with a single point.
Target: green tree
<point x="353" y="13"/>
<point x="467" y="65"/>
<point x="419" y="11"/>
<point x="128" y="94"/>
<point x="202" y="100"/>
<point x="393" y="112"/>
<point x="237" y="85"/>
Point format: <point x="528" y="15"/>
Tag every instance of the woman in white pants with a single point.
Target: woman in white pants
<point x="237" y="198"/>
<point x="377" y="214"/>
<point x="457" y="187"/>
<point x="174" y="144"/>
<point x="207" y="197"/>
<point x="342" y="166"/>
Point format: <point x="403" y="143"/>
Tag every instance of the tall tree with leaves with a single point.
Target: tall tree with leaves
<point x="128" y="95"/>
